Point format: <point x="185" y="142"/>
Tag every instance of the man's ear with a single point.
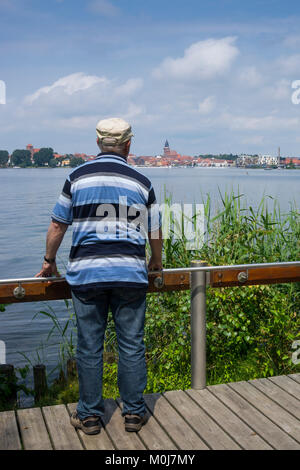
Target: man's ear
<point x="128" y="146"/>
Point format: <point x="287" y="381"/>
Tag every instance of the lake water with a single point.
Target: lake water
<point x="27" y="197"/>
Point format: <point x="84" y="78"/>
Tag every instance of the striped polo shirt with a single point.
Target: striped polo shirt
<point x="111" y="207"/>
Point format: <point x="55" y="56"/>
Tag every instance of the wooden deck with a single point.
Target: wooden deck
<point x="259" y="414"/>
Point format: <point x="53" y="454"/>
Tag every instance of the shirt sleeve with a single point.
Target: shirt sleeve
<point x="63" y="210"/>
<point x="154" y="214"/>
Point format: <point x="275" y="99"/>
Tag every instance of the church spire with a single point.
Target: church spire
<point x="167" y="144"/>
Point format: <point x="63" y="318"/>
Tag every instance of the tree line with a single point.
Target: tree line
<point x="44" y="157"/>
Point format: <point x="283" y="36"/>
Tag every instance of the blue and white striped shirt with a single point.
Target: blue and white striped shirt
<point x="111" y="207"/>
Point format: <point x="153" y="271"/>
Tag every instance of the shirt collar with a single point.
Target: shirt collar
<point x="112" y="155"/>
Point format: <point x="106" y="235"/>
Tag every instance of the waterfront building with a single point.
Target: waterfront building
<point x="268" y="160"/>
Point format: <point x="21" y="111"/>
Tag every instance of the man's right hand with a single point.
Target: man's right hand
<point x="155" y="264"/>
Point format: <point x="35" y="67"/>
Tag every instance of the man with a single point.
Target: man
<point x="112" y="208"/>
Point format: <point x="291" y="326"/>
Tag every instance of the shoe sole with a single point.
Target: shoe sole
<point x="90" y="431"/>
<point x="134" y="427"/>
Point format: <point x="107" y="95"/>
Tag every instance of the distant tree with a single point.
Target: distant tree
<point x="21" y="158"/>
<point x="4" y="156"/>
<point x="43" y="156"/>
<point x="53" y="162"/>
<point x="76" y="161"/>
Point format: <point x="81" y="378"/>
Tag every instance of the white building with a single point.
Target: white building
<point x="244" y="160"/>
<point x="268" y="160"/>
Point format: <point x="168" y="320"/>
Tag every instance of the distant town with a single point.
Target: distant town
<point x="46" y="157"/>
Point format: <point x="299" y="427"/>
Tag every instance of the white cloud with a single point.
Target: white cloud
<point x="78" y="101"/>
<point x="289" y="64"/>
<point x="103" y="7"/>
<point x="130" y="87"/>
<point x="250" y="76"/>
<point x="269" y="122"/>
<point x="68" y="85"/>
<point x="202" y="60"/>
<point x="253" y="140"/>
<point x="279" y="90"/>
<point x="207" y="106"/>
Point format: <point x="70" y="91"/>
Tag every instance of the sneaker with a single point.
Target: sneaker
<point x="89" y="425"/>
<point x="133" y="423"/>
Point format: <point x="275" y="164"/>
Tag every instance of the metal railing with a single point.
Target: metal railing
<point x="200" y="276"/>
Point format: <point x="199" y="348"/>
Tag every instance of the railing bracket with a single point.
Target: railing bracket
<point x="243" y="276"/>
<point x="159" y="281"/>
<point x="19" y="292"/>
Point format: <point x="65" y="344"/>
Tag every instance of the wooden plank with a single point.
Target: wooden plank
<point x="63" y="435"/>
<point x="58" y="290"/>
<point x="172" y="282"/>
<point x="114" y="426"/>
<point x="98" y="441"/>
<point x="175" y="426"/>
<point x="33" y="429"/>
<point x="284" y="399"/>
<point x="201" y="422"/>
<point x="295" y="377"/>
<point x="153" y="435"/>
<point x="9" y="434"/>
<point x="254" y="418"/>
<point x="288" y="384"/>
<point x="269" y="408"/>
<point x="256" y="276"/>
<point x="36" y="291"/>
<point x="232" y="424"/>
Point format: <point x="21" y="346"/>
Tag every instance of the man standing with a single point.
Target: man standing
<point x="112" y="208"/>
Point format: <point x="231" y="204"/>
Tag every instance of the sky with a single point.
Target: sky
<point x="212" y="76"/>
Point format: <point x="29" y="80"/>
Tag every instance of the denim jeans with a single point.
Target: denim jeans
<point x="128" y="307"/>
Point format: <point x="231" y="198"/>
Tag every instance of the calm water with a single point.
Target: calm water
<point x="27" y="197"/>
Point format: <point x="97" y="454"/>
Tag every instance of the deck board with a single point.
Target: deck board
<point x="63" y="435"/>
<point x="97" y="442"/>
<point x="215" y="437"/>
<point x="33" y="430"/>
<point x="259" y="414"/>
<point x="295" y="377"/>
<point x="9" y="435"/>
<point x="153" y="435"/>
<point x="114" y="426"/>
<point x="288" y="384"/>
<point x="260" y="424"/>
<point x="229" y="421"/>
<point x="266" y="406"/>
<point x="175" y="426"/>
<point x="280" y="396"/>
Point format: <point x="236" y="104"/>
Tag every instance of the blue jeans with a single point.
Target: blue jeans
<point x="128" y="306"/>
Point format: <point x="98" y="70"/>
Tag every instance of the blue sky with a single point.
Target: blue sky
<point x="212" y="76"/>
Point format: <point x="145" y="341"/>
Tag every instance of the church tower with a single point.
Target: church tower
<point x="166" y="149"/>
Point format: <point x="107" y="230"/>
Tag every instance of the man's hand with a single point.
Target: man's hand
<point x="155" y="264"/>
<point x="55" y="236"/>
<point x="156" y="244"/>
<point x="48" y="270"/>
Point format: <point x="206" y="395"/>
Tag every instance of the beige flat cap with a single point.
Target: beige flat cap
<point x="113" y="131"/>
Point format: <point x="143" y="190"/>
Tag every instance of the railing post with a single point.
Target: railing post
<point x="198" y="326"/>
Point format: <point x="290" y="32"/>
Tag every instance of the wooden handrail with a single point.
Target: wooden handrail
<point x="59" y="289"/>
